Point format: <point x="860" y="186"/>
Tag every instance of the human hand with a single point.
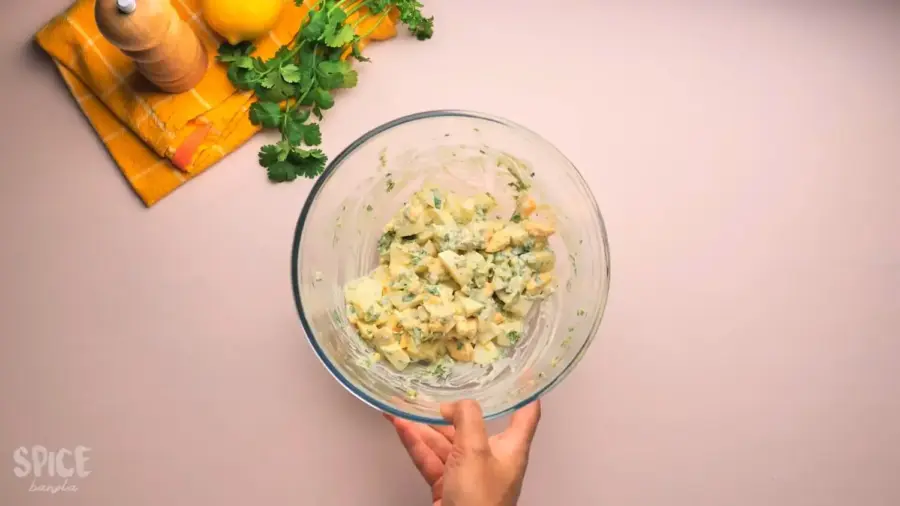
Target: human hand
<point x="461" y="464"/>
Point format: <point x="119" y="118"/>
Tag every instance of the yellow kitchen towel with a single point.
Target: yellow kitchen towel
<point x="161" y="140"/>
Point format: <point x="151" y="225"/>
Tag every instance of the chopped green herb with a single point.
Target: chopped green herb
<point x="513" y="336"/>
<point x="384" y="243"/>
<point x="372" y="314"/>
<point x="369" y="208"/>
<point x="441" y="368"/>
<point x="389" y="185"/>
<point x="408" y="298"/>
<point x="433" y="290"/>
<point x="580" y="312"/>
<point x="516" y="218"/>
<point x="436" y="196"/>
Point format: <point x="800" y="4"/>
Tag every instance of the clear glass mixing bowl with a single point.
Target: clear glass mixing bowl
<point x="467" y="152"/>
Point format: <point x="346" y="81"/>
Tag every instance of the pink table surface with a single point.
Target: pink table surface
<point x="746" y="159"/>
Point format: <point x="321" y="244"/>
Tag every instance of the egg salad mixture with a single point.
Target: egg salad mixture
<point x="451" y="280"/>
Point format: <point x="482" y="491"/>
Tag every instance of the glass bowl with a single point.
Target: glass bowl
<point x="466" y="152"/>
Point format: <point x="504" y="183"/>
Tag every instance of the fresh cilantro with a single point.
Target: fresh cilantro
<point x="516" y="218"/>
<point x="436" y="196"/>
<point x="269" y="155"/>
<point x="339" y="37"/>
<point x="384" y="243"/>
<point x="411" y="16"/>
<point x="233" y="53"/>
<point x="441" y="369"/>
<point x="291" y="73"/>
<point x="513" y="336"/>
<point x="265" y="114"/>
<point x="298" y="80"/>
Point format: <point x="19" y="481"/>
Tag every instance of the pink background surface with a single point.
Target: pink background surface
<point x="746" y="159"/>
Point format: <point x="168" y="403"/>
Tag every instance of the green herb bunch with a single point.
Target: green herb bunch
<point x="299" y="80"/>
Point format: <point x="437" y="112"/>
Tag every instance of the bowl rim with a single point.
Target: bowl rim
<point x="295" y="275"/>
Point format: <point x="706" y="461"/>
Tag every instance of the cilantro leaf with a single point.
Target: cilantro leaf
<point x="307" y="163"/>
<point x="269" y="155"/>
<point x="241" y="78"/>
<point x="340" y="39"/>
<point x="336" y="74"/>
<point x="297" y="133"/>
<point x="350" y="79"/>
<point x="378" y="6"/>
<point x="231" y="53"/>
<point x="322" y="98"/>
<point x="269" y="81"/>
<point x="275" y="88"/>
<point x="336" y="16"/>
<point x="290" y="73"/>
<point x="293" y="132"/>
<point x="259" y="65"/>
<point x="265" y="114"/>
<point x="411" y="16"/>
<point x="243" y="62"/>
<point x="315" y="27"/>
<point x="282" y="171"/>
<point x="299" y="115"/>
<point x="312" y="135"/>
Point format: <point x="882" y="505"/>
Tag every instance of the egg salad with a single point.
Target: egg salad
<point x="452" y="281"/>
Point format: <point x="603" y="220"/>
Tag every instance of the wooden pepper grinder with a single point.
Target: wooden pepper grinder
<point x="150" y="32"/>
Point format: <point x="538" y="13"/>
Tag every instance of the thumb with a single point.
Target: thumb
<point x="468" y="420"/>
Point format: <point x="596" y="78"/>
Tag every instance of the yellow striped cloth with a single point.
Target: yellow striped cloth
<point x="160" y="140"/>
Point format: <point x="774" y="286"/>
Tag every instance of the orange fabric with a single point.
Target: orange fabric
<point x="160" y="140"/>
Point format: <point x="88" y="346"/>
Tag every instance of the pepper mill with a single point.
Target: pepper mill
<point x="161" y="44"/>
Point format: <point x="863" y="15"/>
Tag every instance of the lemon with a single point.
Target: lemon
<point x="241" y="20"/>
